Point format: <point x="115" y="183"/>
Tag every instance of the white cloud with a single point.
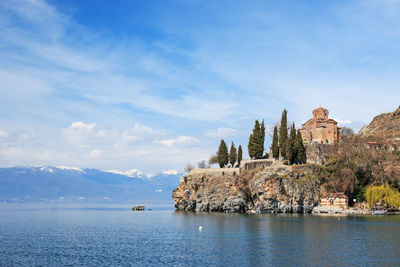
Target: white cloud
<point x="180" y="140"/>
<point x="95" y="153"/>
<point x="221" y="133"/>
<point x="139" y="132"/>
<point x="11" y="151"/>
<point x="80" y="133"/>
<point x="170" y="172"/>
<point x="3" y="134"/>
<point x="343" y="122"/>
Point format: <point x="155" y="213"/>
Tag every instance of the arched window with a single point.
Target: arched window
<point x="331" y="202"/>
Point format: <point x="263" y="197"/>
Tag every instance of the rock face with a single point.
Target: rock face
<point x="276" y="189"/>
<point x="385" y="127"/>
<point x="318" y="153"/>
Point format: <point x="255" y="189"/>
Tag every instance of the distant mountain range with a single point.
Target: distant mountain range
<point x="69" y="184"/>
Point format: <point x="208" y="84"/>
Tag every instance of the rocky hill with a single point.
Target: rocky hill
<point x="275" y="189"/>
<point x="384" y="127"/>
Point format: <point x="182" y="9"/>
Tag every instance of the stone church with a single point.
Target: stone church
<point x="320" y="129"/>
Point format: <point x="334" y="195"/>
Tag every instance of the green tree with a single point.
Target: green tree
<point x="233" y="154"/>
<point x="222" y="154"/>
<point x="382" y="195"/>
<point x="299" y="148"/>
<point x="260" y="141"/>
<point x="290" y="145"/>
<point x="254" y="140"/>
<point x="283" y="134"/>
<point x="240" y="154"/>
<point x="275" y="143"/>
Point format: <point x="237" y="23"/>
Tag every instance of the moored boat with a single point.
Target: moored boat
<point x="379" y="211"/>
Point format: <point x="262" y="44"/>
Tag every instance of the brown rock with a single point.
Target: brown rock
<point x="276" y="189"/>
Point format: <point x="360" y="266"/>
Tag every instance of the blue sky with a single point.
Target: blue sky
<point x="154" y="85"/>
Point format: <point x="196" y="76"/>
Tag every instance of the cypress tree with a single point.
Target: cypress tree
<point x="240" y="154"/>
<point x="232" y="154"/>
<point x="275" y="144"/>
<point x="300" y="149"/>
<point x="254" y="140"/>
<point x="222" y="154"/>
<point x="260" y="141"/>
<point x="283" y="134"/>
<point x="290" y="145"/>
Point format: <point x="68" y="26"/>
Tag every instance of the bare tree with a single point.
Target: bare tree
<point x="346" y="131"/>
<point x="202" y="164"/>
<point x="213" y="160"/>
<point x="189" y="167"/>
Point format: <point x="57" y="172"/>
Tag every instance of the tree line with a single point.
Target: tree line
<point x="288" y="143"/>
<point x="222" y="156"/>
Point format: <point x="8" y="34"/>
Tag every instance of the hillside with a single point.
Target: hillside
<point x="274" y="189"/>
<point x="60" y="184"/>
<point x="384" y="127"/>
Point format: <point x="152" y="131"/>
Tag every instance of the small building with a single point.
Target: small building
<point x="320" y="129"/>
<point x="334" y="200"/>
<point x="390" y="146"/>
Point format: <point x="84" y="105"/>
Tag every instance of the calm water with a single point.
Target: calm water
<point x="117" y="236"/>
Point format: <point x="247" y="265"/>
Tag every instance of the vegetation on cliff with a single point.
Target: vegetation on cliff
<point x="222" y="154"/>
<point x="383" y="195"/>
<point x="289" y="147"/>
<point x="240" y="154"/>
<point x="277" y="189"/>
<point x="233" y="155"/>
<point x="256" y="141"/>
<point x="352" y="166"/>
<point x="275" y="143"/>
<point x="384" y="127"/>
<point x="283" y="134"/>
<point x="355" y="166"/>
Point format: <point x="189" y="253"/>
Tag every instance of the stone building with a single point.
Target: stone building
<point x="334" y="200"/>
<point x="320" y="129"/>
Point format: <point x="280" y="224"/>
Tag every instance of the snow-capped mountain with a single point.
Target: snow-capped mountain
<point x="134" y="173"/>
<point x="167" y="180"/>
<point x="67" y="184"/>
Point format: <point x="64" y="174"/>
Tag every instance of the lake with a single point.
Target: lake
<point x="115" y="235"/>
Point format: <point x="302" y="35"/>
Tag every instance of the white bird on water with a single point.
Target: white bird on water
<point x="200" y="228"/>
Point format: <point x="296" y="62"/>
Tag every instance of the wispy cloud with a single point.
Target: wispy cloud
<point x="180" y="140"/>
<point x="75" y="92"/>
<point x="221" y="132"/>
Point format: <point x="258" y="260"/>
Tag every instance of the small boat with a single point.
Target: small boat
<point x="138" y="207"/>
<point x="379" y="211"/>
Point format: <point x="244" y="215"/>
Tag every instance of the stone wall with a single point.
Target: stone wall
<point x="318" y="153"/>
<point x="215" y="171"/>
<point x="250" y="164"/>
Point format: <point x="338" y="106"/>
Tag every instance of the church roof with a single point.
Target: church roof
<point x="320" y="108"/>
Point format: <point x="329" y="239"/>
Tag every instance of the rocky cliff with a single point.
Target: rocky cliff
<point x="275" y="189"/>
<point x="385" y="127"/>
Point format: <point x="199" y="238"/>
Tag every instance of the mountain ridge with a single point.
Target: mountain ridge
<point x="383" y="127"/>
<point x="71" y="184"/>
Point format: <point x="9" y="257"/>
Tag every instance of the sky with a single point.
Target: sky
<point x="155" y="85"/>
